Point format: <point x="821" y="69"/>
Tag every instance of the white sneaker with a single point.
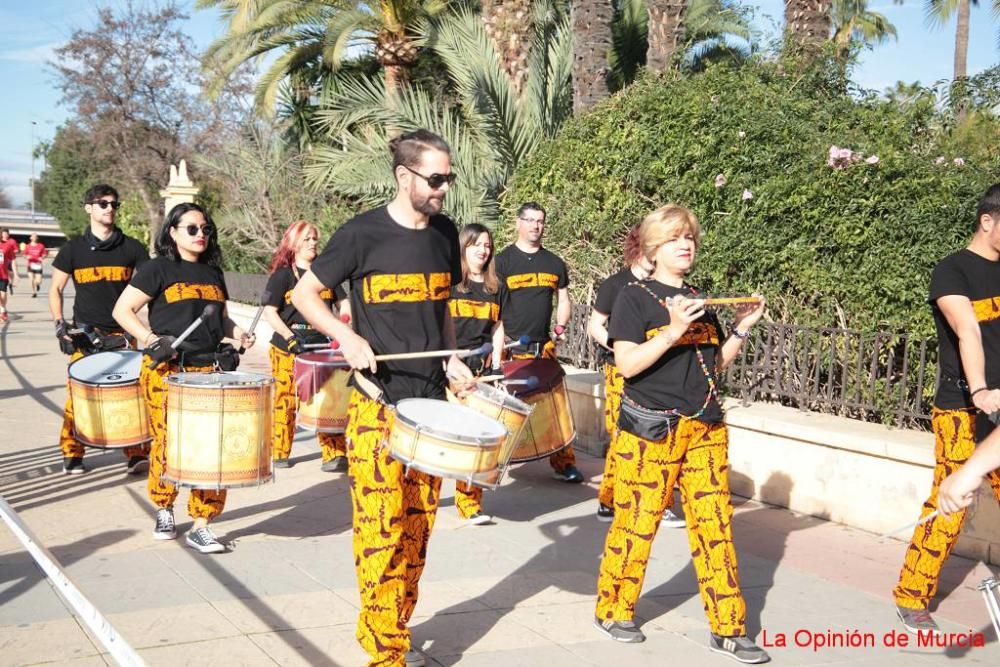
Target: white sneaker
<point x="671" y="520"/>
<point x="478" y="519"/>
<point x="415" y="658"/>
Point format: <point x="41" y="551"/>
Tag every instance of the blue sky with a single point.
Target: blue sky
<point x="30" y="30"/>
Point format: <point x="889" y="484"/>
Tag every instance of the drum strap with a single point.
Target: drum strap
<point x="367" y="387"/>
<point x="535" y="349"/>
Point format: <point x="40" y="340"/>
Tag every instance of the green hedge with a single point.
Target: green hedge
<point x="830" y="247"/>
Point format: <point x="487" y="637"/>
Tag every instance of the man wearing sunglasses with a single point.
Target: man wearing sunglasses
<point x="530" y="276"/>
<point x="101" y="262"/>
<point x="401" y="260"/>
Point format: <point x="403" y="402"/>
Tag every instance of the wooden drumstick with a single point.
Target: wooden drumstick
<point x="725" y="300"/>
<point x="483" y="349"/>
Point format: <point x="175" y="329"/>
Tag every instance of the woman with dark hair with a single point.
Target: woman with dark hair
<point x="292" y="333"/>
<point x="475" y="310"/>
<point x="636" y="268"/>
<point x="177" y="286"/>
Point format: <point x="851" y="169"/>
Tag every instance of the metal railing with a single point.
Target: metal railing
<point x="879" y="377"/>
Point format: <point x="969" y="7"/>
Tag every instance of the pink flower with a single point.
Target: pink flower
<point x="720" y="180"/>
<point x="841" y="158"/>
<point x="939" y="160"/>
<point x="958" y="162"/>
<point x="747" y="195"/>
<point x="873" y="159"/>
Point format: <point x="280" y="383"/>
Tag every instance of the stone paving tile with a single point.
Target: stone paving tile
<point x="27" y="597"/>
<point x="229" y="651"/>
<point x="330" y="646"/>
<point x="94" y="661"/>
<point x="285" y="612"/>
<point x="550" y="656"/>
<point x="162" y="626"/>
<point x="30" y="643"/>
<point x="472" y="632"/>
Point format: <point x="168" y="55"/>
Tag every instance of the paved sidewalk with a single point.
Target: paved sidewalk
<point x="520" y="592"/>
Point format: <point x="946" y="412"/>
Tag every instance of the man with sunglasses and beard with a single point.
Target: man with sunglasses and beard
<point x="101" y="262"/>
<point x="401" y="260"/>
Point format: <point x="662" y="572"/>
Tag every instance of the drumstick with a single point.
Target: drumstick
<point x="253" y="323"/>
<point x="333" y="344"/>
<point x="483" y="349"/>
<point x="208" y="312"/>
<point x="726" y="300"/>
<point x="911" y="526"/>
<point x="523" y="340"/>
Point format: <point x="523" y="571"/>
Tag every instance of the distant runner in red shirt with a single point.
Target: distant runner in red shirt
<point x="8" y="269"/>
<point x="34" y="253"/>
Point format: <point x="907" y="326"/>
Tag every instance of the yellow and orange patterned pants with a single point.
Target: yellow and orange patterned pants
<point x="932" y="542"/>
<point x="394" y="512"/>
<point x="286" y="408"/>
<point x="71" y="447"/>
<point x="202" y="503"/>
<point x="613" y="387"/>
<point x="468" y="499"/>
<point x="565" y="457"/>
<point x="695" y="455"/>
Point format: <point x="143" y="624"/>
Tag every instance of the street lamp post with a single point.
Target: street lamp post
<point x="33" y="124"/>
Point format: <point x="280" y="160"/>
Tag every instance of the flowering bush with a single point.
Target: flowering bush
<point x="833" y="238"/>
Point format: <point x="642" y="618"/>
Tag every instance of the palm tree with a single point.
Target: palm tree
<point x="490" y="132"/>
<point x="665" y="32"/>
<point x="312" y="38"/>
<point x="853" y="22"/>
<point x="591" y="21"/>
<point x="509" y="25"/>
<point x="938" y="13"/>
<point x="807" y="23"/>
<point x="905" y="94"/>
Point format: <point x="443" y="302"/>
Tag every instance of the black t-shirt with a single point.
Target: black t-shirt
<point x="180" y="290"/>
<point x="99" y="277"/>
<point x="400" y="282"/>
<point x="967" y="274"/>
<point x="278" y="293"/>
<point x="474" y="313"/>
<point x="528" y="283"/>
<point x="676" y="380"/>
<point x="605" y="302"/>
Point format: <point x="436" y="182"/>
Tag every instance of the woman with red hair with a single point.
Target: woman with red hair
<point x="292" y="333"/>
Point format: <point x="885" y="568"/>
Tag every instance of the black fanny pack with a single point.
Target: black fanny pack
<point x="649" y="425"/>
<point x="226" y="358"/>
<point x="91" y="340"/>
<point x="308" y="335"/>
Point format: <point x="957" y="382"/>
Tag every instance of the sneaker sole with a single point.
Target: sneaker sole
<point x="479" y="521"/>
<point x="164" y="536"/>
<point x="755" y="661"/>
<point x="916" y="631"/>
<point x="213" y="549"/>
<point x="138" y="469"/>
<point x="74" y="471"/>
<point x="605" y="519"/>
<point x="673" y="524"/>
<point x="637" y="640"/>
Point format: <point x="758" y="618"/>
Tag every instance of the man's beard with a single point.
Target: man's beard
<point x="427" y="205"/>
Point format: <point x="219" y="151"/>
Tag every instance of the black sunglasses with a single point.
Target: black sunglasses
<point x="435" y="181"/>
<point x="104" y="203"/>
<point x="193" y="230"/>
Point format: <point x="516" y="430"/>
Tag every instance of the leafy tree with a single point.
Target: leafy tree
<point x="70" y="169"/>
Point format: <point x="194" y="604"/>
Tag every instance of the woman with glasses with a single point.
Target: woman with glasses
<point x="177" y="285"/>
<point x="475" y="311"/>
<point x="670" y="350"/>
<point x="292" y="333"/>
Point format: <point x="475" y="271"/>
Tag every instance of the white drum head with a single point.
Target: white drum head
<point x="219" y="379"/>
<point x="107" y="368"/>
<point x="449" y="419"/>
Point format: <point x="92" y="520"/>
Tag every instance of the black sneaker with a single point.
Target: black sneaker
<point x="621" y="631"/>
<point x="137" y="465"/>
<point x="73" y="465"/>
<point x="281" y="463"/>
<point x="605" y="513"/>
<point x="738" y="648"/>
<point x="917" y="620"/>
<point x="569" y="474"/>
<point x="165" y="528"/>
<point x="336" y="464"/>
<point x="204" y="541"/>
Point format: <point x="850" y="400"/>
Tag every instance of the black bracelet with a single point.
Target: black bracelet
<point x="971" y="394"/>
<point x="737" y="333"/>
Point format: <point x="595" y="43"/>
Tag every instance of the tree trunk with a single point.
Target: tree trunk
<point x="666" y="32"/>
<point x="807" y="24"/>
<point x="511" y="26"/>
<point x="591" y="42"/>
<point x="962" y="40"/>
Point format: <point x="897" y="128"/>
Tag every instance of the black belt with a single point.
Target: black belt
<point x="99" y="339"/>
<point x="535" y="349"/>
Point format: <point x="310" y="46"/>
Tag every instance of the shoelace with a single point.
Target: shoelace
<point x="204" y="536"/>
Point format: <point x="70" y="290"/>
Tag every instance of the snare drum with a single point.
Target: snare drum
<point x="447" y="440"/>
<point x="512" y="412"/>
<point x="550" y="426"/>
<point x="219" y="429"/>
<point x="108" y="406"/>
<point x="321" y="384"/>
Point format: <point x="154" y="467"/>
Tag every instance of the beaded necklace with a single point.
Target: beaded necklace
<point x="713" y="390"/>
